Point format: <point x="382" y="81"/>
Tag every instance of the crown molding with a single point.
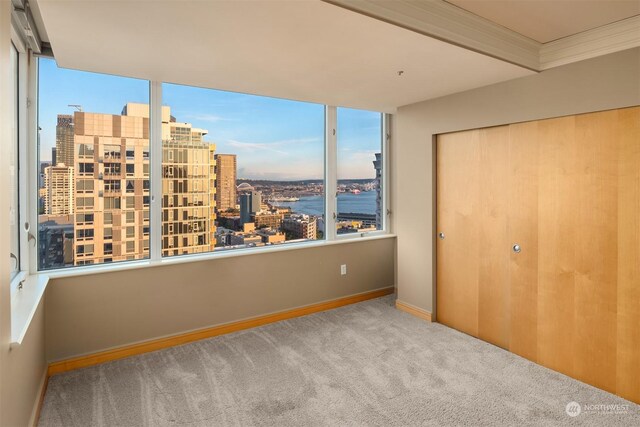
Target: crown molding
<point x="599" y="41"/>
<point x="451" y="24"/>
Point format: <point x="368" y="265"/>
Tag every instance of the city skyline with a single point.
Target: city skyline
<point x="274" y="139"/>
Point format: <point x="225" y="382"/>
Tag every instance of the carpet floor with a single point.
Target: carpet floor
<point x="364" y="364"/>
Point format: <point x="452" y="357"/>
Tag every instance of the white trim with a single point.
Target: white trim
<point x="386" y="205"/>
<point x="155" y="179"/>
<point x="449" y="23"/>
<point x="229" y="253"/>
<point x="23" y="156"/>
<point x="331" y="172"/>
<point x="24" y="303"/>
<point x="454" y="25"/>
<point x="599" y="41"/>
<point x="33" y="157"/>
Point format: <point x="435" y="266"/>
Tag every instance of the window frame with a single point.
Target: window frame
<point x="24" y="117"/>
<point x="156" y="193"/>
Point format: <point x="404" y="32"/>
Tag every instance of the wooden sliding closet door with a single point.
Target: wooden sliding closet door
<point x="628" y="289"/>
<point x="473" y="272"/>
<point x="493" y="274"/>
<point x="458" y="189"/>
<point x="567" y="192"/>
<point x="523" y="179"/>
<point x="557" y="231"/>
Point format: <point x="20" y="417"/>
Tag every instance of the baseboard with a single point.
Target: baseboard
<point x="413" y="310"/>
<point x="158" y="344"/>
<point x="35" y="414"/>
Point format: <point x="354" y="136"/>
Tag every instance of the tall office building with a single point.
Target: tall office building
<point x="226" y="175"/>
<point x="250" y="202"/>
<point x="64" y="140"/>
<point x="59" y="190"/>
<point x="53" y="156"/>
<point x="377" y="164"/>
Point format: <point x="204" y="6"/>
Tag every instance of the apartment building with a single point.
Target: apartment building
<point x="59" y="190"/>
<point x="112" y="188"/>
<point x="189" y="191"/>
<point x="300" y="227"/>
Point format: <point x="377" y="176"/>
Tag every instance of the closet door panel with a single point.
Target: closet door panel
<point x="596" y="246"/>
<point x="523" y="230"/>
<point x="457" y="261"/>
<point x="557" y="232"/>
<point x="628" y="289"/>
<point x="493" y="281"/>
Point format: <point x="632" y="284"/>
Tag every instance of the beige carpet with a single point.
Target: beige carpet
<point x="365" y="364"/>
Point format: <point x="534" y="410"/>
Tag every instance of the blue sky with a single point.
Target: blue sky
<point x="273" y="138"/>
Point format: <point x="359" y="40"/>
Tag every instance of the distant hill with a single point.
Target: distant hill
<point x="254" y="182"/>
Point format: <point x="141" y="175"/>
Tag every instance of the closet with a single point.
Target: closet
<point x="538" y="242"/>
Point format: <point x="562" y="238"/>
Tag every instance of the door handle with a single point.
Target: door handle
<point x="516" y="248"/>
<point x="441" y="235"/>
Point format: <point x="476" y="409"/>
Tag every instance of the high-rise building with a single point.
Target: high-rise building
<point x="59" y="190"/>
<point x="377" y="164"/>
<point x="250" y="202"/>
<point x="300" y="227"/>
<point x="55" y="241"/>
<point x="188" y="170"/>
<point x="188" y="185"/>
<point x="64" y="140"/>
<point x="53" y="156"/>
<point x="226" y="175"/>
<point x="111" y="188"/>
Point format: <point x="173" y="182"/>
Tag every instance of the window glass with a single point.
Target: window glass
<point x="239" y="171"/>
<point x="94" y="135"/>
<point x="14" y="209"/>
<point x="360" y="201"/>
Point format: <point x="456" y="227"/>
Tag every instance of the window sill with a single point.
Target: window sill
<point x="24" y="303"/>
<point x="181" y="259"/>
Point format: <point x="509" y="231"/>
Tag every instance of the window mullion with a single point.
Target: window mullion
<point x="386" y="201"/>
<point x="331" y="172"/>
<point x="30" y="103"/>
<point x="155" y="152"/>
<point x="23" y="160"/>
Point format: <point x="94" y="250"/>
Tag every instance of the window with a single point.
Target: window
<point x="86" y="168"/>
<point x="234" y="170"/>
<point x="359" y="196"/>
<point x="75" y="118"/>
<point x="84" y="151"/>
<point x="268" y="158"/>
<point x="112" y="186"/>
<point x="14" y="208"/>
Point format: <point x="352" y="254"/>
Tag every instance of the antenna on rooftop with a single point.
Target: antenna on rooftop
<point x="76" y="106"/>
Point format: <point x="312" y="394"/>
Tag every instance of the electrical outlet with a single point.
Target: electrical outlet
<point x="343" y="269"/>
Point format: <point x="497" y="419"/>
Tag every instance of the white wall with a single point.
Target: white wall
<point x="607" y="82"/>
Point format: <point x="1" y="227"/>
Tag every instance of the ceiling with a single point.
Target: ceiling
<point x="304" y="50"/>
<point x="549" y="20"/>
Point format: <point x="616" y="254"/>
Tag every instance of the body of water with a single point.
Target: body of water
<point x="364" y="202"/>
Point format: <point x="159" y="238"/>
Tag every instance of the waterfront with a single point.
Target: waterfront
<point x="365" y="202"/>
